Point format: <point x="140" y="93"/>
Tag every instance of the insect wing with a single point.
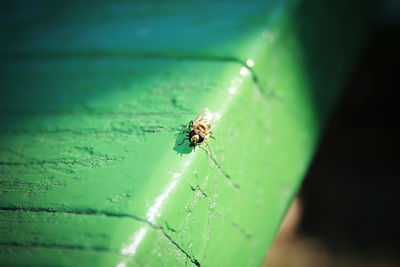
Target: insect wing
<point x="206" y="116"/>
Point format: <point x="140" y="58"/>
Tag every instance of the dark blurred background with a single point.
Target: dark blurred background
<point x="347" y="210"/>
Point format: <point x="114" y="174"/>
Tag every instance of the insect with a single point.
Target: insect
<point x="199" y="131"/>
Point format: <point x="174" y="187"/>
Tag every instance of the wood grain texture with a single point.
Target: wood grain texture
<point x="92" y="96"/>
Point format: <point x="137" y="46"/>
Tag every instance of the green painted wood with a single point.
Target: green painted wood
<point x="91" y="99"/>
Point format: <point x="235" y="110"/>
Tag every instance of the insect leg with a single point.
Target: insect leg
<point x="184" y="139"/>
<point x="187" y="127"/>
<point x="206" y="146"/>
<point x="212" y="135"/>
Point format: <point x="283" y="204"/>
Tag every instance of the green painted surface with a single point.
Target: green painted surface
<point x="92" y="97"/>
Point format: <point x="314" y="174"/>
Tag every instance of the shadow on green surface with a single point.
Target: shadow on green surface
<point x="182" y="146"/>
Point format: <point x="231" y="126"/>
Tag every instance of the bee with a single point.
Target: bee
<point x="199" y="131"/>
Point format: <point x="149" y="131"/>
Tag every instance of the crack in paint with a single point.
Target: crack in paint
<point x="131" y="54"/>
<point x="226" y="175"/>
<point x="51" y="55"/>
<point x="198" y="188"/>
<point x="215" y="213"/>
<point x="192" y="259"/>
<point x="258" y="86"/>
<point x="74" y="212"/>
<point x="87" y="111"/>
<point x="94" y="161"/>
<point x="150" y="129"/>
<point x="169" y="228"/>
<point x="95" y="212"/>
<point x="58" y="246"/>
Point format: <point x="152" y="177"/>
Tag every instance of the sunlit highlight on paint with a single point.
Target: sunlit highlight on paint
<point x="244" y="71"/>
<point x="250" y="63"/>
<point x="160" y="199"/>
<point x="131" y="250"/>
<point x="153" y="212"/>
<point x="206" y="114"/>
